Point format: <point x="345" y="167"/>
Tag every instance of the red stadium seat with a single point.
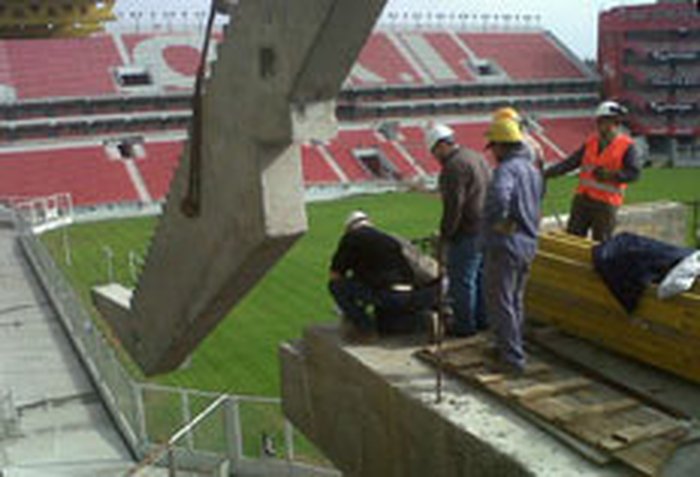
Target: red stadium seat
<point x="84" y="172"/>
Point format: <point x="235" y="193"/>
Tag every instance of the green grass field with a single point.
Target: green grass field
<point x="240" y="356"/>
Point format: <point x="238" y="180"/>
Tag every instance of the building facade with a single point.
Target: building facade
<point x="649" y="59"/>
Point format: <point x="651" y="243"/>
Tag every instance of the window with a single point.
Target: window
<point x="133" y="76"/>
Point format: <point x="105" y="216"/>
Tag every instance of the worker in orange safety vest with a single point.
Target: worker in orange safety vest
<point x="607" y="162"/>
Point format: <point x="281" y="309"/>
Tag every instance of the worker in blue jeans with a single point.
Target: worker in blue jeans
<point x="463" y="182"/>
<point x="511" y="220"/>
<point x="465" y="279"/>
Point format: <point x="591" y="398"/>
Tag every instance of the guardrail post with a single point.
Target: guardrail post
<point x="186" y="417"/>
<point x="232" y="427"/>
<point x="140" y="423"/>
<point x="289" y="440"/>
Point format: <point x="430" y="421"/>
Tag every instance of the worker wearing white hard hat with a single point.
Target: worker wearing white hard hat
<point x="607" y="162"/>
<point x="463" y="181"/>
<point x="356" y="218"/>
<point x="374" y="284"/>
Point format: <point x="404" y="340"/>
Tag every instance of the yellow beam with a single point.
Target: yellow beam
<point x="564" y="290"/>
<point x="48" y="18"/>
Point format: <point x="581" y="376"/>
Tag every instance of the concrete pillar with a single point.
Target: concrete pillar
<point x="278" y="70"/>
<point x="673" y="150"/>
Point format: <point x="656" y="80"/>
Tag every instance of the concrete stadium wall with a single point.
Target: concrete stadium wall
<point x="666" y="221"/>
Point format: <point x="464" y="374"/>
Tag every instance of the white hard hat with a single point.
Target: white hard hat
<point x="436" y="133"/>
<point x="608" y="109"/>
<point x="355" y="218"/>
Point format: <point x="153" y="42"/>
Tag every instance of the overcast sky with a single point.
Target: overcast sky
<point x="573" y="21"/>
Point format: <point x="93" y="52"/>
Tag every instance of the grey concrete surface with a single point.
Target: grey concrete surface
<point x="372" y="410"/>
<point x="59" y="427"/>
<point x="278" y="71"/>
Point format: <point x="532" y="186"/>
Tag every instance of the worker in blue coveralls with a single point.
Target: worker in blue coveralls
<point x="510" y="220"/>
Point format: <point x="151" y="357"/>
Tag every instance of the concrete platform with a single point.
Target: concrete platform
<point x="52" y="421"/>
<point x="372" y="410"/>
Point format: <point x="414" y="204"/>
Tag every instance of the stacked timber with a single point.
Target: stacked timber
<point x="565" y="291"/>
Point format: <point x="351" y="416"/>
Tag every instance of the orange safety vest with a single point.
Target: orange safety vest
<point x="611" y="158"/>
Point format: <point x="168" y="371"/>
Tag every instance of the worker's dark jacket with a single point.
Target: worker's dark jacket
<point x="373" y="257"/>
<point x="628" y="263"/>
<point x="463" y="181"/>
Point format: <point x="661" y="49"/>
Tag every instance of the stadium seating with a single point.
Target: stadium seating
<point x="471" y="135"/>
<point x="86" y="66"/>
<point x="432" y="62"/>
<point x="414" y="142"/>
<point x="567" y="133"/>
<point x="341" y="150"/>
<point x="316" y="169"/>
<point x="403" y="167"/>
<point x="66" y="67"/>
<point x="158" y="166"/>
<point x="451" y="52"/>
<point x="84" y="172"/>
<point x="381" y="57"/>
<point x="523" y="56"/>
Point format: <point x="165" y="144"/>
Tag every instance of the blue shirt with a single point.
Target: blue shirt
<point x="512" y="209"/>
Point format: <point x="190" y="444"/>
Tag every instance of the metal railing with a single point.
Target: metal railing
<point x="240" y="434"/>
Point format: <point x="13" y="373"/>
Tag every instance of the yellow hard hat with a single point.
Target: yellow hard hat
<point x="508" y="113"/>
<point x="504" y="130"/>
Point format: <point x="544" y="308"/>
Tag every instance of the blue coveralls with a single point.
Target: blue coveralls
<point x="511" y="219"/>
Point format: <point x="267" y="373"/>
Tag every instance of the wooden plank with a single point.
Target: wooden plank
<point x="635" y="433"/>
<point x="649" y="456"/>
<point x="541" y="390"/>
<point x="620" y="426"/>
<point x="464" y="360"/>
<point x="551" y="408"/>
<point x="486" y="377"/>
<point x="608" y="407"/>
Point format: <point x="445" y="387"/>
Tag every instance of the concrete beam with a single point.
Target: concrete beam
<point x="372" y="411"/>
<point x="278" y="70"/>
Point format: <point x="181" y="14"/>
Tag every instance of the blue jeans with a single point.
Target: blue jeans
<point x="464" y="270"/>
<point x="505" y="276"/>
<point x="394" y="311"/>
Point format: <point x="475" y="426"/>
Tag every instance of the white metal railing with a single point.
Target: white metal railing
<point x="147" y="415"/>
<point x="43" y="213"/>
<point x="165" y="453"/>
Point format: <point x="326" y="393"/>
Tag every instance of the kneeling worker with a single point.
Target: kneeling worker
<point x="370" y="269"/>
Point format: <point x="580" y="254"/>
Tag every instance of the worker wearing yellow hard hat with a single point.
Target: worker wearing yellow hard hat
<point x="511" y="218"/>
<point x="504" y="130"/>
<point x="532" y="144"/>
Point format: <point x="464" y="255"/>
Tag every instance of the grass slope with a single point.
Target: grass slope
<point x="240" y="356"/>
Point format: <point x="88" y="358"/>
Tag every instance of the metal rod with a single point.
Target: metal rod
<point x="199" y="418"/>
<point x="441" y="319"/>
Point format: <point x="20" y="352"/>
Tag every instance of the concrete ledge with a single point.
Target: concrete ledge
<point x="372" y="410"/>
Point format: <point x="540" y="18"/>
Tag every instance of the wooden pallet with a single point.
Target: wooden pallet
<point x="620" y="426"/>
<point x="564" y="290"/>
